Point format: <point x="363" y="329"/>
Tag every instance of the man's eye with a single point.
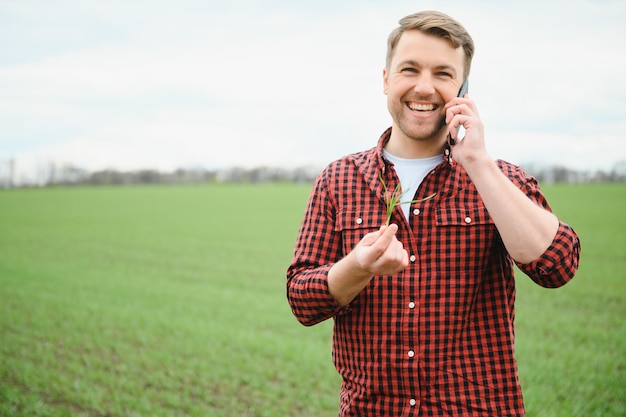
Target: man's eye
<point x="408" y="70"/>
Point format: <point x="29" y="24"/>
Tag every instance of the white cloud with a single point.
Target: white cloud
<point x="164" y="84"/>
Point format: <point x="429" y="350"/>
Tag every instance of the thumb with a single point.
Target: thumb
<point x="370" y="238"/>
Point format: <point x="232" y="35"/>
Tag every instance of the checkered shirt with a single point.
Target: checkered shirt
<point x="436" y="339"/>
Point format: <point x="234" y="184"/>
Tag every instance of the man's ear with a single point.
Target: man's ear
<point x="385" y="81"/>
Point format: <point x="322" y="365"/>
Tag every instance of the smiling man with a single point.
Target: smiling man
<point x="422" y="75"/>
<point x="424" y="307"/>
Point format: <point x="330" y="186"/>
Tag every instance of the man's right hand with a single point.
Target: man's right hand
<point x="381" y="253"/>
<point x="378" y="253"/>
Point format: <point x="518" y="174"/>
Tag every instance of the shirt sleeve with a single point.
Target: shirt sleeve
<point x="317" y="248"/>
<point x="559" y="263"/>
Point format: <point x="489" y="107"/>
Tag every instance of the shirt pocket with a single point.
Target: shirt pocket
<point x="464" y="239"/>
<point x="353" y="224"/>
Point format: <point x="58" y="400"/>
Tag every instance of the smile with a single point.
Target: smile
<point x="421" y="107"/>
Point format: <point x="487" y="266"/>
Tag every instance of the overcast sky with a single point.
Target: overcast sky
<point x="132" y="84"/>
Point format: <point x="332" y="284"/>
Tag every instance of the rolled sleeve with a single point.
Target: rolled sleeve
<point x="317" y="249"/>
<point x="309" y="296"/>
<point x="559" y="263"/>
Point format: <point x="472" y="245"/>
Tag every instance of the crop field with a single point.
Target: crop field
<point x="170" y="301"/>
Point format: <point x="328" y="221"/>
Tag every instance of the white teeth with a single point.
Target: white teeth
<point x="421" y="107"/>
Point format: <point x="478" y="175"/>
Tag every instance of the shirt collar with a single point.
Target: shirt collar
<point x="384" y="139"/>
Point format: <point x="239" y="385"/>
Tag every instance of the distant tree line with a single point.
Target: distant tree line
<point x="560" y="174"/>
<point x="67" y="175"/>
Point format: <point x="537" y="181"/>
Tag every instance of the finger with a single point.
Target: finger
<point x="454" y="102"/>
<point x="466" y="106"/>
<point x="389" y="232"/>
<point x="394" y="260"/>
<point x="384" y="237"/>
<point x="401" y="256"/>
<point x="370" y="238"/>
<point x="458" y="124"/>
<point x="453" y="127"/>
<point x="404" y="258"/>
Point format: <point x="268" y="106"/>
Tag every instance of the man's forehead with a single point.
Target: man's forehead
<point x="421" y="48"/>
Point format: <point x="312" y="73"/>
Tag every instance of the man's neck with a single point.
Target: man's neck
<point x="408" y="148"/>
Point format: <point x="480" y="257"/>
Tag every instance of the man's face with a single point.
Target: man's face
<point x="424" y="74"/>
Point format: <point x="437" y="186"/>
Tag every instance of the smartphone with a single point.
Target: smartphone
<point x="464" y="88"/>
<point x="460" y="131"/>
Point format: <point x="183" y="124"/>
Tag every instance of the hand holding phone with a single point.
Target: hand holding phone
<point x="461" y="130"/>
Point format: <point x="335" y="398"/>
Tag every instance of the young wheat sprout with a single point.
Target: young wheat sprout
<point x="393" y="198"/>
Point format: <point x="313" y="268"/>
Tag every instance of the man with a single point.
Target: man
<point x="424" y="307"/>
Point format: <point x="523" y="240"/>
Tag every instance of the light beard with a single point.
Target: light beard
<point x="435" y="132"/>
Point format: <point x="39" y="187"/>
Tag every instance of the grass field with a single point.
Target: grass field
<point x="170" y="301"/>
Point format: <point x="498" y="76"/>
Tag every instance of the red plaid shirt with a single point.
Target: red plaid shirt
<point x="436" y="339"/>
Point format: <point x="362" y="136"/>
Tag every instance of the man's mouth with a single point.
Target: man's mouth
<point x="421" y="107"/>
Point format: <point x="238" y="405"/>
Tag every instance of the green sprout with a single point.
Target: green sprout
<point x="393" y="198"/>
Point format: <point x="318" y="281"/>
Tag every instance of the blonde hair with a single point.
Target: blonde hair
<point x="437" y="24"/>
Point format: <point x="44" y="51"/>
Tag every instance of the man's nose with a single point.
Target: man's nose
<point x="424" y="85"/>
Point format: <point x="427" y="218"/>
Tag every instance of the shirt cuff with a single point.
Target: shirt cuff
<point x="559" y="263"/>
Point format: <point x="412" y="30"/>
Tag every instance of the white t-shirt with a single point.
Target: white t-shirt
<point x="411" y="172"/>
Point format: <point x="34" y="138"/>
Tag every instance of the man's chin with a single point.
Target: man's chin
<point x="423" y="135"/>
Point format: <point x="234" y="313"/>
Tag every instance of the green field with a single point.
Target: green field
<point x="170" y="301"/>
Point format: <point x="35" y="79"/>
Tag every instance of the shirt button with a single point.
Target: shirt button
<point x="468" y="220"/>
<point x="359" y="220"/>
<point x="411" y="305"/>
<point x="412" y="258"/>
<point x="416" y="211"/>
<point x="411" y="353"/>
<point x="412" y="402"/>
